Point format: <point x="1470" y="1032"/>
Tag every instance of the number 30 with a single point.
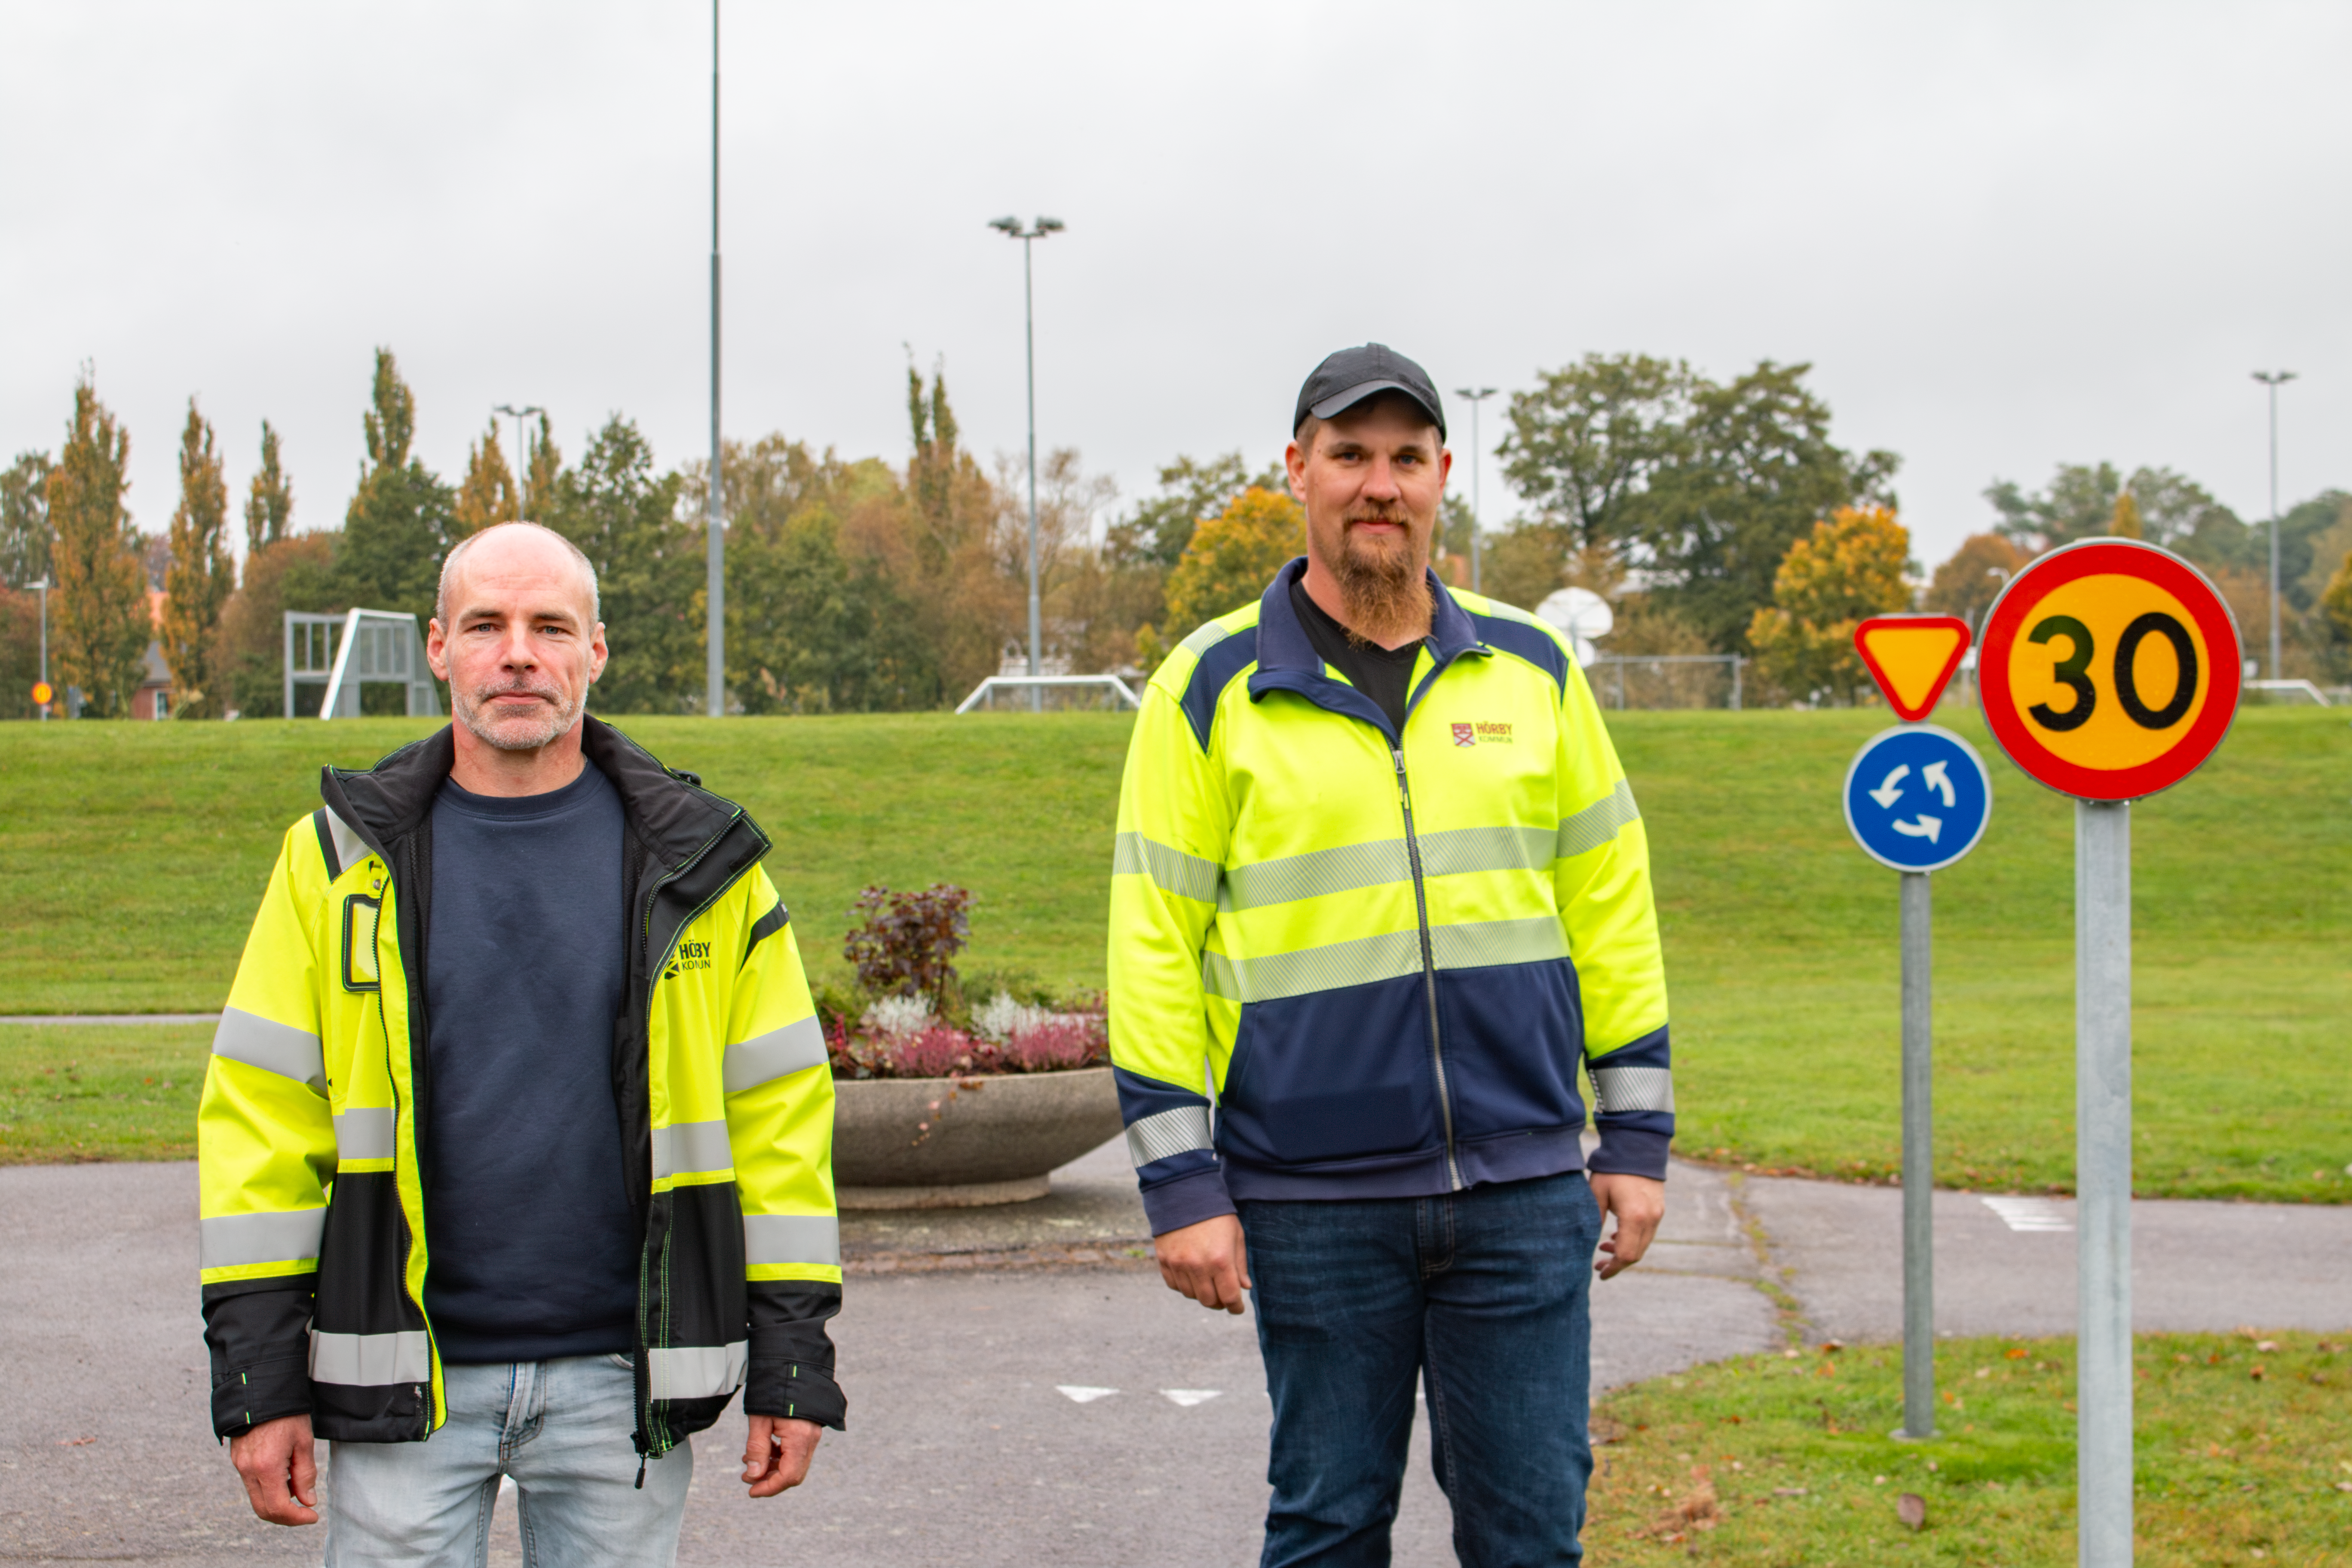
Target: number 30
<point x="2069" y="672"/>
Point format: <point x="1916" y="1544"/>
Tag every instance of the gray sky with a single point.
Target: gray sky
<point x="2005" y="234"/>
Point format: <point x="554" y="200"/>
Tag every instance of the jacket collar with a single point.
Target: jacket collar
<point x="671" y="814"/>
<point x="1286" y="661"/>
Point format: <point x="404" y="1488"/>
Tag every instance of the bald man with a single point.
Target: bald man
<point x="517" y="1132"/>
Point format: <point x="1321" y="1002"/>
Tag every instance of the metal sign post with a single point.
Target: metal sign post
<point x="2110" y="670"/>
<point x="1917" y="799"/>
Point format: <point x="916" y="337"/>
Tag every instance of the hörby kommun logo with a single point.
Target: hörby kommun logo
<point x="689" y="955"/>
<point x="1485" y="729"/>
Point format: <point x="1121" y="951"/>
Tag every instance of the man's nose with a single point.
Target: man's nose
<point x="1381" y="484"/>
<point x="519" y="648"/>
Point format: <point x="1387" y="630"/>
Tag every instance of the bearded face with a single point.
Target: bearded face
<point x="1371" y="480"/>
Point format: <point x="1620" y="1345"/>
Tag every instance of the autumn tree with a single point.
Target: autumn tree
<point x="197" y="581"/>
<point x="1849" y="568"/>
<point x="2335" y="602"/>
<point x="268" y="499"/>
<point x="1967" y="584"/>
<point x="2124" y="524"/>
<point x="295" y="573"/>
<point x="649" y="571"/>
<point x="1231" y="560"/>
<point x="542" y="468"/>
<point x="488" y="494"/>
<point x="399" y="522"/>
<point x="953" y="515"/>
<point x="24" y="520"/>
<point x="102" y="627"/>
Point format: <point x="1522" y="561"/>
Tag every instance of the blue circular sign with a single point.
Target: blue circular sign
<point x="1917" y="797"/>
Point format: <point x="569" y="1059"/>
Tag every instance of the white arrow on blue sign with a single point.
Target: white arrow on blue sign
<point x="1917" y="797"/>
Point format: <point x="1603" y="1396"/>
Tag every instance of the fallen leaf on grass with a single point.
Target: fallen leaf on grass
<point x="1912" y="1510"/>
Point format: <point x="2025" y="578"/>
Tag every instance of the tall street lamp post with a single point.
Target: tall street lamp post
<point x="714" y="525"/>
<point x="1011" y="228"/>
<point x="2273" y="380"/>
<point x="522" y="454"/>
<point x="1477" y="464"/>
<point x="43" y="584"/>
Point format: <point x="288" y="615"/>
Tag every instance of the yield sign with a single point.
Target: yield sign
<point x="1912" y="657"/>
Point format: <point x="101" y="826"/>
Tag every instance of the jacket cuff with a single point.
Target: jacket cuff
<point x="245" y="1399"/>
<point x="796" y="1390"/>
<point x="1186" y="1200"/>
<point x="258" y="1336"/>
<point x="1631" y="1151"/>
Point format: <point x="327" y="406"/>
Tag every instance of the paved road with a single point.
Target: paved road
<point x="961" y="1330"/>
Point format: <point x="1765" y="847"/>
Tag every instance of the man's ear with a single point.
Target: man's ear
<point x="437" y="647"/>
<point x="1294" y="463"/>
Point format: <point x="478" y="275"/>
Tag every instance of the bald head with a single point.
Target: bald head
<point x="512" y="552"/>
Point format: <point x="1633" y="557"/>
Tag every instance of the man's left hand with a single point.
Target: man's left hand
<point x="776" y="1453"/>
<point x="1639" y="1204"/>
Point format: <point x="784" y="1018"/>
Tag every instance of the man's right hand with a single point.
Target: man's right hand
<point x="281" y="1472"/>
<point x="1208" y="1261"/>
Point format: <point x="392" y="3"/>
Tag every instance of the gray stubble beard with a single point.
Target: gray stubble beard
<point x="469" y="713"/>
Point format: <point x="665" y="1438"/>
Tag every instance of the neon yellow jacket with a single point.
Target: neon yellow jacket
<point x="1386" y="953"/>
<point x="314" y="1239"/>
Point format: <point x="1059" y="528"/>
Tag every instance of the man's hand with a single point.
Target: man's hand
<point x="1639" y="1204"/>
<point x="1208" y="1261"/>
<point x="280" y="1469"/>
<point x="776" y="1453"/>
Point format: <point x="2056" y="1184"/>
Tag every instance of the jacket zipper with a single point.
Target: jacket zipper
<point x="1428" y="966"/>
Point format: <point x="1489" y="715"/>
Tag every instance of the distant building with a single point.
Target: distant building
<point x="153" y="698"/>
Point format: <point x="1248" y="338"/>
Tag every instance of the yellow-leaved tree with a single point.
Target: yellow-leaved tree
<point x="1848" y="569"/>
<point x="489" y="494"/>
<point x="197" y="582"/>
<point x="1232" y="556"/>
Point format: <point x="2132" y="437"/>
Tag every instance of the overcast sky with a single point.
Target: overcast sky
<point x="2005" y="235"/>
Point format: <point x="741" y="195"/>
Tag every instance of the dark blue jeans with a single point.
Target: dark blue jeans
<point x="1483" y="1295"/>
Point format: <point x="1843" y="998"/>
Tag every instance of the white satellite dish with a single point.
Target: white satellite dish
<point x="1580" y="614"/>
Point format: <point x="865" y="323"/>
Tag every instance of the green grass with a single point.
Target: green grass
<point x="100" y="1091"/>
<point x="131" y="856"/>
<point x="2243" y="1454"/>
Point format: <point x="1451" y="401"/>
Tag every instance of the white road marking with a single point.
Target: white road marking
<point x="2030" y="1214"/>
<point x="1082" y="1394"/>
<point x="1190" y="1396"/>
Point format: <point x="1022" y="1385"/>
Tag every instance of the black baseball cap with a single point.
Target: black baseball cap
<point x="1351" y="375"/>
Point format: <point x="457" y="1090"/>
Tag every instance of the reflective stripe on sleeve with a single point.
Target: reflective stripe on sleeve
<point x="691" y="1146"/>
<point x="1167" y="1133"/>
<point x="281" y="1048"/>
<point x="1617" y="1090"/>
<point x="364" y="1134"/>
<point x="795" y="1048"/>
<point x="370" y="1361"/>
<point x="230" y="1241"/>
<point x="1361" y="961"/>
<point x="698" y="1372"/>
<point x="1597" y="824"/>
<point x="791" y="1239"/>
<point x="1171" y="869"/>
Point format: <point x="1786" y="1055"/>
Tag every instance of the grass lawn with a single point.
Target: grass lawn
<point x="2243" y="1455"/>
<point x="131" y="856"/>
<point x="100" y="1091"/>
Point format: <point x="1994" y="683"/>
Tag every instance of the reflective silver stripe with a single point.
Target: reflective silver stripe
<point x="1166" y="1133"/>
<point x="1477" y="944"/>
<point x="698" y="1372"/>
<point x="1597" y="824"/>
<point x="1616" y="1090"/>
<point x="795" y="1048"/>
<point x="363" y="1134"/>
<point x="1486" y="944"/>
<point x="280" y="1048"/>
<point x="227" y="1241"/>
<point x="1203" y="640"/>
<point x="350" y="848"/>
<point x="370" y="1361"/>
<point x="1171" y="870"/>
<point x="691" y="1146"/>
<point x="791" y="1239"/>
<point x="1457" y="851"/>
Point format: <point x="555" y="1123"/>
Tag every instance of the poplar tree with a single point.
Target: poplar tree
<point x="542" y="473"/>
<point x="488" y="494"/>
<point x="399" y="522"/>
<point x="269" y="500"/>
<point x="25" y="518"/>
<point x="201" y="573"/>
<point x="101" y="628"/>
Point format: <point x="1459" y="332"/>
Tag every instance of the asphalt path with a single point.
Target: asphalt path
<point x="964" y="1335"/>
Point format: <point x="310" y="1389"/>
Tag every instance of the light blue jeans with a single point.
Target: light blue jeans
<point x="560" y="1428"/>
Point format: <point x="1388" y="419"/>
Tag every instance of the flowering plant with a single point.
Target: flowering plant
<point x="902" y="1037"/>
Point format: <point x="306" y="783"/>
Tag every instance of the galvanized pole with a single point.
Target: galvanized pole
<point x="714" y="517"/>
<point x="2103" y="1178"/>
<point x="2273" y="380"/>
<point x="1029" y="337"/>
<point x="1475" y="395"/>
<point x="1918" y="1165"/>
<point x="44" y="586"/>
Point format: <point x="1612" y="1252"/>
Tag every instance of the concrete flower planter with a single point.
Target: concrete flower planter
<point x="993" y="1143"/>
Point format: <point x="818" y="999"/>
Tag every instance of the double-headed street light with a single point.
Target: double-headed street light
<point x="1477" y="462"/>
<point x="1011" y="229"/>
<point x="2274" y="379"/>
<point x="523" y="459"/>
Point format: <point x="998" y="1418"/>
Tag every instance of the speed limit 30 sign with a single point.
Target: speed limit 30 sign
<point x="2109" y="669"/>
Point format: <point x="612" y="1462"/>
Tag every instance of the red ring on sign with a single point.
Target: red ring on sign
<point x="2125" y="558"/>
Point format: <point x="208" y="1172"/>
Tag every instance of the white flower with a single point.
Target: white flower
<point x="898" y="1016"/>
<point x="1003" y="1018"/>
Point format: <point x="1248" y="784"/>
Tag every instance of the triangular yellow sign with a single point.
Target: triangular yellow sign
<point x="1911" y="657"/>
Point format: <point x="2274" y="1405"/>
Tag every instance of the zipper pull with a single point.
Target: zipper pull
<point x="1404" y="795"/>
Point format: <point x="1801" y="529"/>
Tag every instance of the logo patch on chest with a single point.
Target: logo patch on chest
<point x="1487" y="730"/>
<point x="689" y="955"/>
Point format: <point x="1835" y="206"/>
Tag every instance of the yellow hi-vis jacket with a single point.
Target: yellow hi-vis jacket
<point x="1386" y="952"/>
<point x="314" y="1247"/>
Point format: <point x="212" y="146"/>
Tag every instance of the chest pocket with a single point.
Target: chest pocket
<point x="359" y="916"/>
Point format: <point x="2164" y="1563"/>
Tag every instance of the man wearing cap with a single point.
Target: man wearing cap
<point x="1379" y="885"/>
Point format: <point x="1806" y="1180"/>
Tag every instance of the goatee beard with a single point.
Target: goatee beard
<point x="1384" y="593"/>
